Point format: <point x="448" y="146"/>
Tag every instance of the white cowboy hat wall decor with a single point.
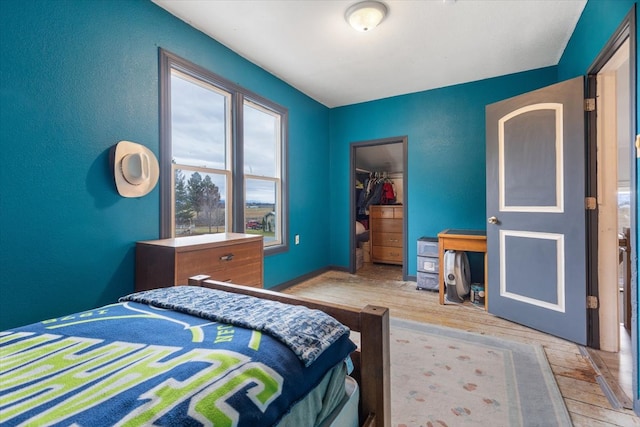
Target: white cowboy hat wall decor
<point x="135" y="169"/>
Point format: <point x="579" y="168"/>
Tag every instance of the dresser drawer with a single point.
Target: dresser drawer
<point x="381" y="212"/>
<point x="386" y="254"/>
<point x="387" y="239"/>
<point x="389" y="212"/>
<point x="222" y="263"/>
<point x="386" y="225"/>
<point x="246" y="275"/>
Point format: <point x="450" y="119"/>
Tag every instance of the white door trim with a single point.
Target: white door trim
<point x="560" y="273"/>
<point x="559" y="205"/>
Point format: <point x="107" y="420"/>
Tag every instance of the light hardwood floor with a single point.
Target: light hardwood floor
<point x="380" y="284"/>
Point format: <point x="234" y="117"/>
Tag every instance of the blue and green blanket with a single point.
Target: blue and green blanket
<point x="177" y="356"/>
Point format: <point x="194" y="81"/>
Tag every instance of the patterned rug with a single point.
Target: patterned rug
<point x="445" y="377"/>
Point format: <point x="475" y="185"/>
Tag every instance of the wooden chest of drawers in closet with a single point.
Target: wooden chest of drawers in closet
<point x="227" y="257"/>
<point x="385" y="228"/>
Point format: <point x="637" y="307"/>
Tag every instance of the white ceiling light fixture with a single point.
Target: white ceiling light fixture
<point x="366" y="15"/>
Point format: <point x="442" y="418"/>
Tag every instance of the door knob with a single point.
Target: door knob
<point x="492" y="220"/>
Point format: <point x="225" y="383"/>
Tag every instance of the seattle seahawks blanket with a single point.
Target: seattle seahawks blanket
<point x="139" y="364"/>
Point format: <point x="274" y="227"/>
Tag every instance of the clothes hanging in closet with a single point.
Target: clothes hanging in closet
<point x="378" y="190"/>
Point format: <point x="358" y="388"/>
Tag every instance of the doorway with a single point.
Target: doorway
<point x="612" y="181"/>
<point x="383" y="161"/>
<point x="614" y="156"/>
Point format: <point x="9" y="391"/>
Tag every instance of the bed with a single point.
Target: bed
<point x="210" y="353"/>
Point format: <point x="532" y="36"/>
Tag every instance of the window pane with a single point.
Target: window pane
<point x="198" y="123"/>
<point x="260" y="213"/>
<point x="200" y="202"/>
<point x="624" y="207"/>
<point x="261" y="141"/>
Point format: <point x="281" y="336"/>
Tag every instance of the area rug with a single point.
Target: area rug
<point x="446" y="377"/>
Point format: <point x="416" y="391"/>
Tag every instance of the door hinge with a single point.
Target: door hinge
<point x="590" y="203"/>
<point x="592" y="302"/>
<point x="590" y="104"/>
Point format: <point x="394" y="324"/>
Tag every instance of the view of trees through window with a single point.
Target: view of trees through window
<point x="200" y="207"/>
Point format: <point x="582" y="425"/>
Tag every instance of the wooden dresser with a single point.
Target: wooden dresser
<point x="226" y="257"/>
<point x="385" y="227"/>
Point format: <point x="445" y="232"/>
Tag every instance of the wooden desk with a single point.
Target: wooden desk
<point x="462" y="240"/>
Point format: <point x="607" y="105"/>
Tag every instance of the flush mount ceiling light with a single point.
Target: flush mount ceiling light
<point x="366" y="15"/>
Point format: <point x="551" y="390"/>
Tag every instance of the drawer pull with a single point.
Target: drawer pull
<point x="227" y="257"/>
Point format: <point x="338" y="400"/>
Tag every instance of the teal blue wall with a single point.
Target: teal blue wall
<point x="76" y="77"/>
<point x="446" y="154"/>
<point x="598" y="22"/>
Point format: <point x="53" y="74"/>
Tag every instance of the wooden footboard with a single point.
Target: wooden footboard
<point x="371" y="360"/>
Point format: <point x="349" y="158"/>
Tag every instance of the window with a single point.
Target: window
<point x="222" y="156"/>
<point x="262" y="171"/>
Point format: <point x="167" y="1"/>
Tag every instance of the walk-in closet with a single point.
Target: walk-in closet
<point x="378" y="210"/>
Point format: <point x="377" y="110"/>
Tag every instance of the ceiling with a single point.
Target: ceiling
<point x="380" y="158"/>
<point x="421" y="45"/>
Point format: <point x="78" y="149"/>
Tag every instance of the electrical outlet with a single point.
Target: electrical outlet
<point x="297" y="239"/>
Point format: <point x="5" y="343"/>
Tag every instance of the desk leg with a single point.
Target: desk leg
<point x="440" y="271"/>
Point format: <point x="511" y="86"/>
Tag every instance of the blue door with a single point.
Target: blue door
<point x="536" y="234"/>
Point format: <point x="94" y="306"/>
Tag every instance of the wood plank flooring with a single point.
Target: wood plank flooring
<point x="617" y="368"/>
<point x="379" y="284"/>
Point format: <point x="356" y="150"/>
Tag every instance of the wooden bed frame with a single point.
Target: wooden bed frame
<point x="371" y="360"/>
